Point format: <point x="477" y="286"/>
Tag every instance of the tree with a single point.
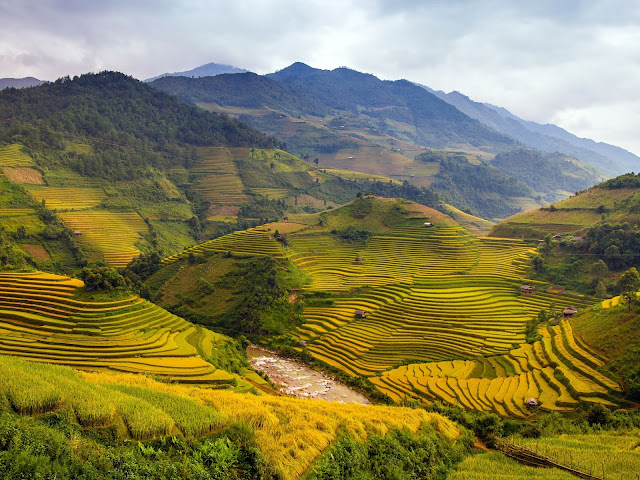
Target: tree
<point x="601" y="289"/>
<point x="600" y="269"/>
<point x="629" y="284"/>
<point x="316" y="160"/>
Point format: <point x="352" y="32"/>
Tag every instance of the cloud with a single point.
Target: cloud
<point x="546" y="60"/>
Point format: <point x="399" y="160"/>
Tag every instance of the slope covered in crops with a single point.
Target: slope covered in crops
<point x="42" y="319"/>
<point x="287" y="434"/>
<point x="386" y="294"/>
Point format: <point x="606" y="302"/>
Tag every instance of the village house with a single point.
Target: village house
<point x="527" y="290"/>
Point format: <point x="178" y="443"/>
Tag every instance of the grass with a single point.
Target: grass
<point x="612" y="455"/>
<point x="494" y="465"/>
<point x="290" y="433"/>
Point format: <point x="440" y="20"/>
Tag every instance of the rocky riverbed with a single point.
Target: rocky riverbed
<point x="299" y="380"/>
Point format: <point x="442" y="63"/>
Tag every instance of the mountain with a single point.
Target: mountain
<point x="208" y="70"/>
<point x="547" y="138"/>
<point x="19" y="82"/>
<point x="431" y="121"/>
<point x="354" y="121"/>
<point x="242" y="90"/>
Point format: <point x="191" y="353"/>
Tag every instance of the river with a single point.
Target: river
<point x="299" y="380"/>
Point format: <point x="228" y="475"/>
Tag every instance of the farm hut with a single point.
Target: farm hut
<point x="77" y="233"/>
<point x="531" y="402"/>
<point x="527" y="290"/>
<point x="428" y="224"/>
<point x="577" y="239"/>
<point x="302" y="343"/>
<point x="569" y="312"/>
<point x="557" y="237"/>
<point x="360" y="313"/>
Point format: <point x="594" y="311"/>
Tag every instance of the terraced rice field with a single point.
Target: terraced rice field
<point x="255" y="241"/>
<point x="67" y="198"/>
<point x="559" y="372"/>
<point x="41" y="321"/>
<point x="405" y="253"/>
<point x="271" y="193"/>
<point x="16" y="212"/>
<point x="217" y="177"/>
<point x="13" y="156"/>
<point x="431" y="319"/>
<point x="112" y="234"/>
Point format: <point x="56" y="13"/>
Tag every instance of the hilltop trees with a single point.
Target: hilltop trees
<point x="629" y="285"/>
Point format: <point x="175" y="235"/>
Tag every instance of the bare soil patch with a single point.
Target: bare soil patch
<point x="36" y="251"/>
<point x="223" y="210"/>
<point x="23" y="175"/>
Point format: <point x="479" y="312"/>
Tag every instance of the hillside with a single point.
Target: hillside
<point x="246" y="90"/>
<point x="19" y="82"/>
<point x="129" y="426"/>
<point x="377" y="256"/>
<point x="547" y="138"/>
<point x="378" y="133"/>
<point x="614" y="331"/>
<point x="434" y="122"/>
<point x="79" y="163"/>
<point x="48" y="318"/>
<point x="589" y="239"/>
<point x="613" y="201"/>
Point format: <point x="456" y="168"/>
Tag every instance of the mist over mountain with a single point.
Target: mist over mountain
<point x="19" y="82"/>
<point x="547" y="138"/>
<point x="208" y="70"/>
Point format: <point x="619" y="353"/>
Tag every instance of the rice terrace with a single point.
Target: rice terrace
<point x="318" y="273"/>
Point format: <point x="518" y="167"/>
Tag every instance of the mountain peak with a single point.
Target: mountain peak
<point x="295" y="70"/>
<point x="19" y="82"/>
<point x="208" y="70"/>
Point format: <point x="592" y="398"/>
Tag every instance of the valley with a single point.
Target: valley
<point x="169" y="285"/>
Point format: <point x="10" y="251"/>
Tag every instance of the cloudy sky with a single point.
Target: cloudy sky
<point x="575" y="63"/>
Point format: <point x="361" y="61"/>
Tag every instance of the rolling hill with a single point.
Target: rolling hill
<point x="76" y="152"/>
<point x="613" y="201"/>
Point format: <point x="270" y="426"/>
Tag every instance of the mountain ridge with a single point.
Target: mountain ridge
<point x="20" y="82"/>
<point x="208" y="70"/>
<point x="549" y="138"/>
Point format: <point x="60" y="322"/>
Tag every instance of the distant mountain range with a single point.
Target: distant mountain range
<point x="20" y="82"/>
<point x="208" y="70"/>
<point x="398" y="108"/>
<point x="548" y="138"/>
<point x="348" y="120"/>
<point x="430" y="123"/>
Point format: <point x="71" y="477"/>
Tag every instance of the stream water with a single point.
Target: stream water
<point x="299" y="380"/>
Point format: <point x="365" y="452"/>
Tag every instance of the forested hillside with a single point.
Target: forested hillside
<point x="130" y="126"/>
